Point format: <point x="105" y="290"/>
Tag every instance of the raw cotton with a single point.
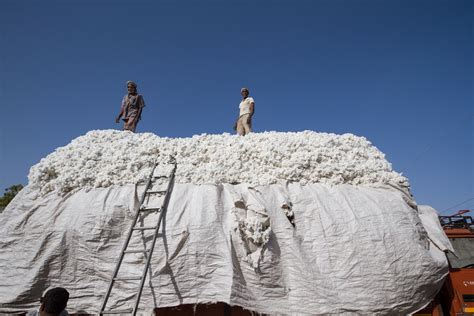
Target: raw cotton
<point x="103" y="158"/>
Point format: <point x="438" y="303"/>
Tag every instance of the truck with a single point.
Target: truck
<point x="456" y="297"/>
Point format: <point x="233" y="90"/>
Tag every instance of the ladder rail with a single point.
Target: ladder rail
<point x="164" y="208"/>
<point x="125" y="245"/>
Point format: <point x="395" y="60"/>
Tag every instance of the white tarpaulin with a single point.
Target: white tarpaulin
<point x="278" y="223"/>
<point x="430" y="220"/>
<point x="356" y="249"/>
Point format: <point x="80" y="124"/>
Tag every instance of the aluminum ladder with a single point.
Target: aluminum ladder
<point x="143" y="209"/>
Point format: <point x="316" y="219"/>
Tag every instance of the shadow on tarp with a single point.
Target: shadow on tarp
<point x="216" y="309"/>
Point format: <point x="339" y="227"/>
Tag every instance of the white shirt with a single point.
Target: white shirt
<point x="244" y="106"/>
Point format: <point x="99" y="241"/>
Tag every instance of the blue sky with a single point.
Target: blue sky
<point x="399" y="73"/>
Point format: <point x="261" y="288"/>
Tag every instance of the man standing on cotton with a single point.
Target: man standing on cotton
<point x="247" y="106"/>
<point x="131" y="109"/>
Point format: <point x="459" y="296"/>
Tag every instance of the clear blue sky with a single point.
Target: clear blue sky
<point x="399" y="73"/>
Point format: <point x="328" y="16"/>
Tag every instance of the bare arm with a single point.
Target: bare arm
<point x="122" y="110"/>
<point x="117" y="119"/>
<point x="140" y="107"/>
<point x="139" y="116"/>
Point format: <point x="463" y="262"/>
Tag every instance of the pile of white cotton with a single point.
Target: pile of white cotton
<point x="103" y="158"/>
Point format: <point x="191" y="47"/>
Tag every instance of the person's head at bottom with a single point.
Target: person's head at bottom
<point x="54" y="301"/>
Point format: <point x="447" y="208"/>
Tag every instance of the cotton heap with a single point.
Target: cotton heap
<point x="104" y="158"/>
<point x="277" y="223"/>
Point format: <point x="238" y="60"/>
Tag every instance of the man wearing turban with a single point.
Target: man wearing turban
<point x="131" y="109"/>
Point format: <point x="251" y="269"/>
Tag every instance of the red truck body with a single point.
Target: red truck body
<point x="457" y="294"/>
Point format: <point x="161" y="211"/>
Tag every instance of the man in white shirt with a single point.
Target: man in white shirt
<point x="247" y="106"/>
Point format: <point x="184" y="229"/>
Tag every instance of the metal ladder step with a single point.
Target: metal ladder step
<point x="156" y="192"/>
<point x="127" y="279"/>
<point x="137" y="251"/>
<point x="118" y="311"/>
<point x="159" y="177"/>
<point x="144" y="228"/>
<point x="151" y="209"/>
